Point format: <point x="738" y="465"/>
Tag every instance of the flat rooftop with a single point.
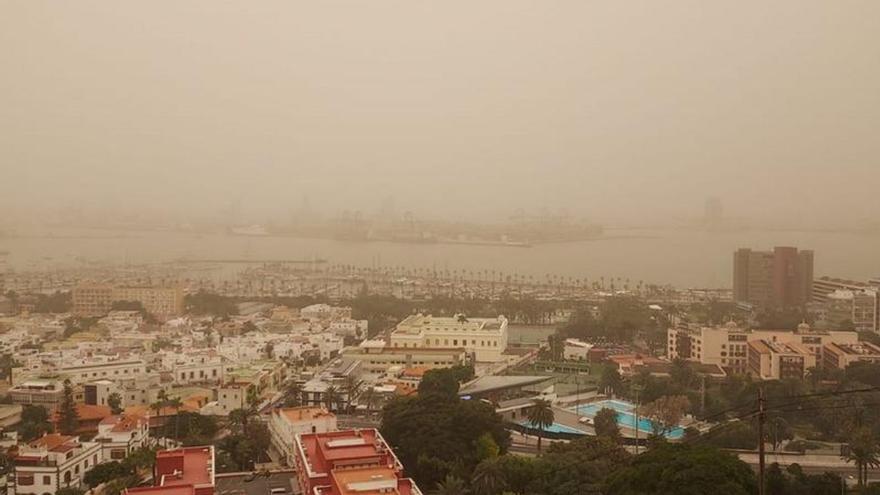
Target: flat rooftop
<point x="197" y="462"/>
<point x="860" y="349"/>
<point x="325" y="450"/>
<point x="367" y="481"/>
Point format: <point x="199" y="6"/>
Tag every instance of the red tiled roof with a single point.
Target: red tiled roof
<point x="51" y="441"/>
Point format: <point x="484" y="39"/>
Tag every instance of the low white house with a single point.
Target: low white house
<point x="119" y="435"/>
<point x="51" y="462"/>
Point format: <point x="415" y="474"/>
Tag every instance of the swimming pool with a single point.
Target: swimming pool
<point x="555" y="428"/>
<point x="625" y="416"/>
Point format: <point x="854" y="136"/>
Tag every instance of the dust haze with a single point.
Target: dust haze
<point x="627" y="112"/>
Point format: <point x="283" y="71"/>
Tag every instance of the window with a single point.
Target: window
<point x="25" y="479"/>
<point x="47" y="480"/>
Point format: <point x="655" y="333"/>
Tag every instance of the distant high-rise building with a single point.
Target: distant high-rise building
<point x="779" y="278"/>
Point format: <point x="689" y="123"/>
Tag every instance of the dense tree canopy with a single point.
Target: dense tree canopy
<point x="436" y="433"/>
<point x="682" y="469"/>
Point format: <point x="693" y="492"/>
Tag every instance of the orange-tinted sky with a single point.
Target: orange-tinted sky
<point x="634" y="110"/>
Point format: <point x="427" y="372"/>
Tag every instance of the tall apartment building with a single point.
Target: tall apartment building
<point x="96" y="299"/>
<point x="728" y="346"/>
<point x="779" y="278"/>
<point x="484" y="338"/>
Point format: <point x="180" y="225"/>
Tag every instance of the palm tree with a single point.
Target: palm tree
<point x="369" y="398"/>
<point x="540" y="417"/>
<point x="864" y="452"/>
<point x="294" y="395"/>
<point x="451" y="486"/>
<point x="176" y="403"/>
<point x="352" y="389"/>
<point x="488" y="479"/>
<point x="330" y="397"/>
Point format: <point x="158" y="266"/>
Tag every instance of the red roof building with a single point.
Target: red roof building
<point x="368" y="481"/>
<point x="185" y="471"/>
<point x="320" y="456"/>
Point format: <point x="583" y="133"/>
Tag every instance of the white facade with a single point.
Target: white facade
<point x="285" y="424"/>
<point x="120" y="435"/>
<point x="51" y="462"/>
<point x="485" y="338"/>
<point x="576" y="350"/>
<point x="110" y="370"/>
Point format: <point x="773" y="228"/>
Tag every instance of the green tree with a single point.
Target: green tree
<point x="486" y="447"/>
<point x="331" y="398"/>
<point x="579" y="467"/>
<point x="451" y="486"/>
<point x="540" y="417"/>
<point x="115" y="403"/>
<point x="175" y="404"/>
<point x="34" y="423"/>
<point x="863" y="451"/>
<point x="665" y="413"/>
<point x="445" y="382"/>
<point x="142" y="459"/>
<point x="68" y="417"/>
<point x="488" y="478"/>
<point x="293" y="395"/>
<point x="519" y="472"/>
<point x="605" y="424"/>
<point x="104" y="472"/>
<point x="681" y="469"/>
<point x="610" y="380"/>
<point x="435" y="434"/>
<point x="352" y="388"/>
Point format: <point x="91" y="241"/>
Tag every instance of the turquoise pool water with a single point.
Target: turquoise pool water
<point x="556" y="428"/>
<point x="625" y="416"/>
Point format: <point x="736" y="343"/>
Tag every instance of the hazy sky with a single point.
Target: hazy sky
<point x="634" y="110"/>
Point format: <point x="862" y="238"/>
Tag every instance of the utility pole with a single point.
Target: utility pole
<point x="761" y="419"/>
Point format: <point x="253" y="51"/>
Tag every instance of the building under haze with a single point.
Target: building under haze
<point x="781" y="278"/>
<point x="96" y="299"/>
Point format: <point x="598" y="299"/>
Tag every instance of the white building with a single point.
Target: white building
<point x="285" y="424"/>
<point x="377" y="358"/>
<point x="485" y="338"/>
<point x="194" y="368"/>
<point x="120" y="435"/>
<point x="317" y="312"/>
<point x="576" y="350"/>
<point x="89" y="370"/>
<point x="51" y="462"/>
